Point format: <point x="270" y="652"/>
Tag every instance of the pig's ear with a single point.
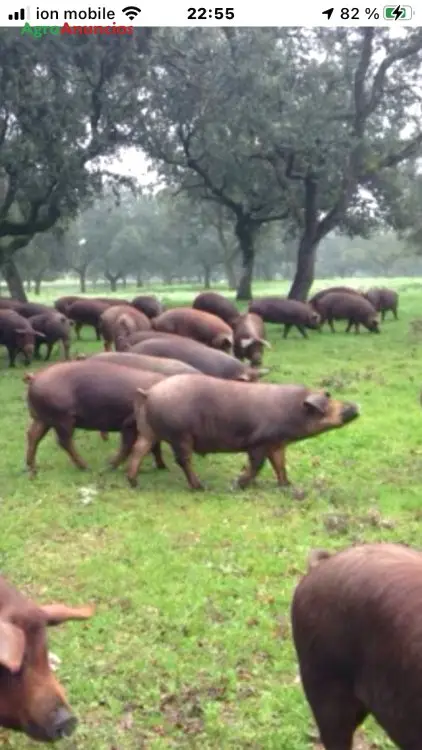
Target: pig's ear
<point x="12" y="646"/>
<point x="55" y="614"/>
<point x="317" y="402"/>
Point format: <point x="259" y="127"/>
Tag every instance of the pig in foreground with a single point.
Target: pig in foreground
<point x="356" y="310"/>
<point x="249" y="338"/>
<point x="357" y="624"/>
<point x="31" y="699"/>
<point x="216" y="304"/>
<point x="383" y="300"/>
<point x="88" y="395"/>
<point x="17" y="335"/>
<point x="199" y="414"/>
<point x="55" y="327"/>
<point x="288" y="312"/>
<point x="195" y="324"/>
<point x="203" y="358"/>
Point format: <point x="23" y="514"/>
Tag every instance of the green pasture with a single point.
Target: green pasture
<point x="191" y="644"/>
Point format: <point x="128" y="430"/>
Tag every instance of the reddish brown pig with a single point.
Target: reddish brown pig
<point x="206" y="360"/>
<point x="87" y="312"/>
<point x="195" y="324"/>
<point x="196" y="413"/>
<point x="249" y="338"/>
<point x="125" y="340"/>
<point x="215" y="303"/>
<point x="63" y="303"/>
<point x="357" y="627"/>
<point x="289" y="312"/>
<point x="55" y="327"/>
<point x="383" y="300"/>
<point x="356" y="310"/>
<point x="29" y="309"/>
<point x="148" y="304"/>
<point x="8" y="303"/>
<point x="165" y="366"/>
<point x="86" y="395"/>
<point x="31" y="699"/>
<point x="17" y="335"/>
<point x="123" y="316"/>
<point x="329" y="290"/>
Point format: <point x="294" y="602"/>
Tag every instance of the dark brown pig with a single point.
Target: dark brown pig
<point x="206" y="360"/>
<point x="195" y="324"/>
<point x="55" y="327"/>
<point x="31" y="699"/>
<point x="357" y="623"/>
<point x="86" y="395"/>
<point x="356" y="310"/>
<point x="124" y="340"/>
<point x="199" y="414"/>
<point x="8" y="303"/>
<point x="383" y="300"/>
<point x="121" y="315"/>
<point x="249" y="338"/>
<point x="87" y="312"/>
<point x="17" y="335"/>
<point x="215" y="303"/>
<point x="63" y="303"/>
<point x="110" y="301"/>
<point x="29" y="309"/>
<point x="289" y="312"/>
<point x="165" y="366"/>
<point x="148" y="304"/>
<point x="329" y="290"/>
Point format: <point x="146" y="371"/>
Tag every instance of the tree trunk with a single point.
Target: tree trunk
<point x="305" y="269"/>
<point x="13" y="280"/>
<point x="28" y="285"/>
<point x="82" y="280"/>
<point x="37" y="284"/>
<point x="207" y="277"/>
<point x="245" y="232"/>
<point x="230" y="274"/>
<point x="139" y="282"/>
<point x="124" y="282"/>
<point x="112" y="281"/>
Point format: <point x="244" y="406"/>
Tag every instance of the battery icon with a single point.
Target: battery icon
<point x="397" y="12"/>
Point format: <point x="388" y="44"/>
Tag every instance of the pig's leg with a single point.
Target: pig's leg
<point x="183" y="455"/>
<point x="331" y="324"/>
<point x="337" y="711"/>
<point x="158" y="456"/>
<point x="277" y="458"/>
<point x="127" y="441"/>
<point x="64" y="433"/>
<point x="104" y="435"/>
<point x="97" y="333"/>
<point x="78" y="327"/>
<point x="49" y="349"/>
<point x="141" y="448"/>
<point x="36" y="431"/>
<point x="66" y="348"/>
<point x="302" y="330"/>
<point x="287" y="328"/>
<point x="257" y="458"/>
<point x="107" y="346"/>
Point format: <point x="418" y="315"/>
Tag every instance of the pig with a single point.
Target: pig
<point x="329" y="290"/>
<point x="201" y="414"/>
<point x="88" y="395"/>
<point x="110" y="301"/>
<point x="115" y="316"/>
<point x="8" y="303"/>
<point x="32" y="701"/>
<point x="55" y="327"/>
<point x="124" y="340"/>
<point x="87" y="312"/>
<point x="206" y="360"/>
<point x="383" y="300"/>
<point x="289" y="312"/>
<point x="29" y="309"/>
<point x="249" y="338"/>
<point x="144" y="362"/>
<point x="195" y="324"/>
<point x="356" y="621"/>
<point x="148" y="304"/>
<point x="17" y="335"/>
<point x="356" y="310"/>
<point x="63" y="303"/>
<point x="215" y="303"/>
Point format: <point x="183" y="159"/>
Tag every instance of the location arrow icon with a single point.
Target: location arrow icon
<point x="328" y="13"/>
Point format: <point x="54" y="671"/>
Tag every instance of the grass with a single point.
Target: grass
<point x="191" y="646"/>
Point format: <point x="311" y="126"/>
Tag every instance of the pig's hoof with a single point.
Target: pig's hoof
<point x="198" y="487"/>
<point x="161" y="467"/>
<point x="132" y="481"/>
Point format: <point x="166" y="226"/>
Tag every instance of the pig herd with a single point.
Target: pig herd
<point x="189" y="377"/>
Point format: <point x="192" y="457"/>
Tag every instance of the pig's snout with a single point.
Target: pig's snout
<point x="61" y="723"/>
<point x="28" y="351"/>
<point x="349" y="412"/>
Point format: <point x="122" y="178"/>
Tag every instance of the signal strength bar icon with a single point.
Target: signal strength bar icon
<point x="18" y="15"/>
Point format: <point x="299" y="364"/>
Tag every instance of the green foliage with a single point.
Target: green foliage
<point x="191" y="644"/>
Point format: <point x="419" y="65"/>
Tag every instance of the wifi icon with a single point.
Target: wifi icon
<point x="131" y="11"/>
